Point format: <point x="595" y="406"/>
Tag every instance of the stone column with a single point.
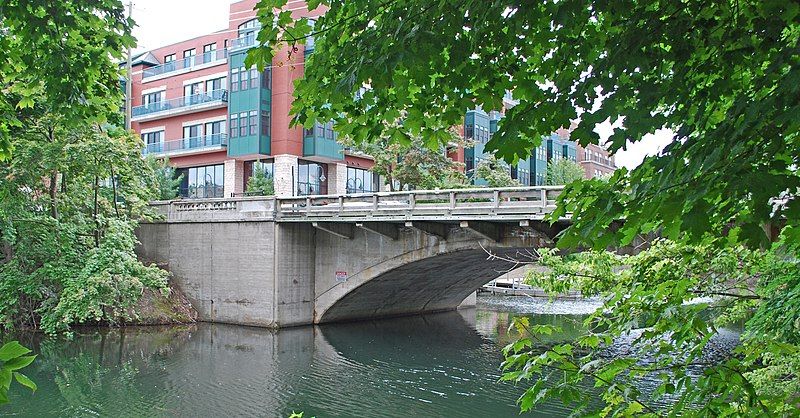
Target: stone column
<point x="234" y="177"/>
<point x="285" y="175"/>
<point x="337" y="178"/>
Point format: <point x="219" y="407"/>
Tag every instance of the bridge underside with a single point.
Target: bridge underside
<point x="433" y="284"/>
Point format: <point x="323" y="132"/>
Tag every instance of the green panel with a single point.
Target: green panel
<point x="314" y="146"/>
<point x="245" y="101"/>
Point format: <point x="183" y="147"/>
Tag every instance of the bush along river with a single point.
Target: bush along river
<point x="433" y="365"/>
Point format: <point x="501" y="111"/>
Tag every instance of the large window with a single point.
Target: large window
<point x="209" y="52"/>
<point x="216" y="84"/>
<point x="188" y="57"/>
<point x="153" y="98"/>
<point x="234" y="126"/>
<point x="242" y="124"/>
<point x="266" y="79"/>
<point x="234" y="79"/>
<point x="203" y="182"/>
<point x="312" y="178"/>
<point x="265" y="122"/>
<point x="361" y="181"/>
<point x="153" y="141"/>
<point x="253" y="122"/>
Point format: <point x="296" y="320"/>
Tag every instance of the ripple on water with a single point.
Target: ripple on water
<point x="437" y="365"/>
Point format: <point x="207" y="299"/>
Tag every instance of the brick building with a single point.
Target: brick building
<point x="195" y="103"/>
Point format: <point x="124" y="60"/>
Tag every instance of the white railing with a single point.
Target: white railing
<point x="509" y="203"/>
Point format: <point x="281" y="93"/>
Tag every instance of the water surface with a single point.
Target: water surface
<point x="433" y="365"/>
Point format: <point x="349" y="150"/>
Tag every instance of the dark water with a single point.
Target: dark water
<point x="435" y="365"/>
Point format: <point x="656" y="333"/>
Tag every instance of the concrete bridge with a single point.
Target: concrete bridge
<point x="288" y="261"/>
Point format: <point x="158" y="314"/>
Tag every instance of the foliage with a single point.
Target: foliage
<point x="13" y="357"/>
<point x="723" y="75"/>
<point x="495" y="173"/>
<point x="71" y="198"/>
<point x="412" y="165"/>
<point x="563" y="171"/>
<point x="166" y="182"/>
<point x="650" y="300"/>
<point x="260" y="184"/>
<point x="61" y="55"/>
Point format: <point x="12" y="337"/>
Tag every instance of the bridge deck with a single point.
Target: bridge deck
<point x="495" y="204"/>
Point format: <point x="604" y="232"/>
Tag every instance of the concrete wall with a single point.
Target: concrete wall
<point x="225" y="269"/>
<point x="269" y="274"/>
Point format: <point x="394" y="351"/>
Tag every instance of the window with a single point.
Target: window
<point x="312" y="178"/>
<point x="153" y="141"/>
<point x="248" y="29"/>
<point x="234" y="126"/>
<point x="209" y="52"/>
<point x="203" y="182"/>
<point x="329" y="130"/>
<point x="193" y="137"/>
<point x="253" y="122"/>
<point x="253" y="78"/>
<point x="265" y="122"/>
<point x="234" y="79"/>
<point x="169" y="58"/>
<point x="153" y="98"/>
<point x="216" y="84"/>
<point x="244" y="74"/>
<point x="192" y="89"/>
<point x="361" y="181"/>
<point x="242" y="124"/>
<point x="266" y="79"/>
<point x="188" y="57"/>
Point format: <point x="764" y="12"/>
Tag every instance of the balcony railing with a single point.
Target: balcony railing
<point x="181" y="102"/>
<point x="185" y="144"/>
<point x="243" y="42"/>
<point x="185" y="63"/>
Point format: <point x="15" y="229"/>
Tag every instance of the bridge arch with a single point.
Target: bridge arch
<point x="429" y="278"/>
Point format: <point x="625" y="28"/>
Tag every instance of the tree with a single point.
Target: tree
<point x="71" y="200"/>
<point x="561" y="171"/>
<point x="724" y="76"/>
<point x="260" y="184"/>
<point x="62" y="55"/>
<point x="166" y="182"/>
<point x="411" y="164"/>
<point x="495" y="173"/>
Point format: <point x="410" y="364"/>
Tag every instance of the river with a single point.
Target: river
<point x="434" y="365"/>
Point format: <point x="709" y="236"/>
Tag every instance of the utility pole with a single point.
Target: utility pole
<point x="128" y="80"/>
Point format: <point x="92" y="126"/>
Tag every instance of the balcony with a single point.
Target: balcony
<point x="187" y="145"/>
<point x="180" y="105"/>
<point x="207" y="59"/>
<point x="243" y="42"/>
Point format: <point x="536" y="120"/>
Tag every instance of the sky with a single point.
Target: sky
<point x="162" y="22"/>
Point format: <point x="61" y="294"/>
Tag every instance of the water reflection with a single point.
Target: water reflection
<point x="432" y="365"/>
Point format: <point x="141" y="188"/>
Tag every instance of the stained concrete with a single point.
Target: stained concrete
<point x="274" y="274"/>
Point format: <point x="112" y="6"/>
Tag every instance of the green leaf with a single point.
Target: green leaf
<point x="25" y="381"/>
<point x="12" y="350"/>
<point x="18" y="363"/>
<point x="5" y="378"/>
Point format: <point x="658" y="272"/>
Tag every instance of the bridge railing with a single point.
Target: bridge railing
<point x="421" y="203"/>
<point x="406" y="205"/>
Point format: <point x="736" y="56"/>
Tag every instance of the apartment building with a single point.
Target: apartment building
<point x="218" y="121"/>
<point x="195" y="103"/>
<point x="596" y="161"/>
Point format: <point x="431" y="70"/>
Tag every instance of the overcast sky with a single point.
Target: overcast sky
<point x="162" y="22"/>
